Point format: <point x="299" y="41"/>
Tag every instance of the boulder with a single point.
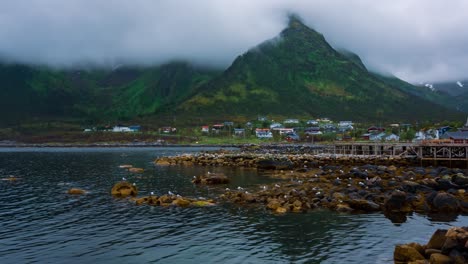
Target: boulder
<point x="211" y="178"/>
<point x="397" y="202"/>
<point x="76" y="191"/>
<point x="162" y="162"/>
<point x="460" y="179"/>
<point x="203" y="203"/>
<point x="364" y="205"/>
<point x="136" y="170"/>
<point x="124" y="189"/>
<point x="437" y="240"/>
<point x="181" y="202"/>
<point x="438" y="258"/>
<point x="343" y="208"/>
<point x="406" y="253"/>
<point x="281" y="210"/>
<point x="444" y="202"/>
<point x="273" y="204"/>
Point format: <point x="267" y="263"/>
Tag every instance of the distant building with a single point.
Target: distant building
<point x="205" y="129"/>
<point x="312" y="122"/>
<point x="283" y="131"/>
<point x="240" y="132"/>
<point x="276" y="125"/>
<point x="392" y="137"/>
<point x="313" y="131"/>
<point x="167" y="130"/>
<point x="120" y="128"/>
<point x="291" y="121"/>
<point x="263" y="133"/>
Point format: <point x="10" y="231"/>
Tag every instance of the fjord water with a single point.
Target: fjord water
<point x="41" y="223"/>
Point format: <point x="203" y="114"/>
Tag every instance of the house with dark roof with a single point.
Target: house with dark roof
<point x="460" y="136"/>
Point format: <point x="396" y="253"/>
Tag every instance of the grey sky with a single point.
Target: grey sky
<point x="417" y="40"/>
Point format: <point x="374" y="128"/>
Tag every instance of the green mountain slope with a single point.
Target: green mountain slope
<point x="299" y="73"/>
<point x="30" y="92"/>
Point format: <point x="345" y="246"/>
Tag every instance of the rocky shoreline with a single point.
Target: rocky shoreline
<point x="444" y="247"/>
<point x="392" y="185"/>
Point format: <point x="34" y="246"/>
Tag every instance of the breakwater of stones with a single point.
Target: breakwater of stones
<point x="391" y="185"/>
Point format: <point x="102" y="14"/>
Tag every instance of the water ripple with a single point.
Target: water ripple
<point x="40" y="223"/>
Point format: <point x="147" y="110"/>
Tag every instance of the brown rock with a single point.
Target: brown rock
<point x="211" y="178"/>
<point x="142" y="200"/>
<point x="124" y="189"/>
<point x="136" y="170"/>
<point x="181" y="202"/>
<point x="281" y="210"/>
<point x="417" y="246"/>
<point x="162" y="162"/>
<point x="437" y="240"/>
<point x="438" y="258"/>
<point x="76" y="191"/>
<point x="428" y="252"/>
<point x="406" y="253"/>
<point x="343" y="208"/>
<point x="273" y="204"/>
<point x="445" y="202"/>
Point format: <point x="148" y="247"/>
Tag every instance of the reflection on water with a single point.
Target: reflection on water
<point x="39" y="222"/>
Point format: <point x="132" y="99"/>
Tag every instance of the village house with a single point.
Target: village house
<point x="120" y="128"/>
<point x="205" y="129"/>
<point x="240" y="132"/>
<point x="283" y="131"/>
<point x="460" y="136"/>
<point x="312" y="131"/>
<point x="276" y="125"/>
<point x="312" y="122"/>
<point x="217" y="127"/>
<point x="263" y="133"/>
<point x="375" y="130"/>
<point x="392" y="137"/>
<point x="167" y="130"/>
<point x="291" y="121"/>
<point x="344" y="126"/>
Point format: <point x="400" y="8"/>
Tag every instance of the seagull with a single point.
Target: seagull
<point x="123" y="179"/>
<point x="318" y="193"/>
<point x="227" y="189"/>
<point x="361" y="183"/>
<point x="277" y="186"/>
<point x="194" y="177"/>
<point x="151" y="193"/>
<point x="338" y="178"/>
<point x="300" y="182"/>
<point x="239" y="188"/>
<point x="264" y="187"/>
<point x="349" y="185"/>
<point x="246" y="192"/>
<point x="178" y="196"/>
<point x="170" y="193"/>
<point x="341" y="171"/>
<point x="134" y="184"/>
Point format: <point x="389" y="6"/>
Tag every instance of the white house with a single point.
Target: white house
<point x="276" y="125"/>
<point x="291" y="121"/>
<point x="120" y="128"/>
<point x="392" y="137"/>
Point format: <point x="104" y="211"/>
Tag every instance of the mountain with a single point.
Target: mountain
<point x="454" y="88"/>
<point x="299" y="74"/>
<point x="33" y="92"/>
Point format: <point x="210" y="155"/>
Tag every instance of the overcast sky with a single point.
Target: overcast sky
<point x="417" y="40"/>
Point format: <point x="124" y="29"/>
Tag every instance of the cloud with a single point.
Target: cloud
<point x="417" y="40"/>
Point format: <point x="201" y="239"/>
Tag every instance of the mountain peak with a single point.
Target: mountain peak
<point x="295" y="21"/>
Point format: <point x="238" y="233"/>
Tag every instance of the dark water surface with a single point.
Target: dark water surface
<point x="40" y="223"/>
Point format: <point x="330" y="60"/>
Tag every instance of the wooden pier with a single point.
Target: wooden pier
<point x="430" y="151"/>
